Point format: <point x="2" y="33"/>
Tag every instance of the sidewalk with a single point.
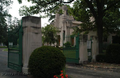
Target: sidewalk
<point x="78" y="71"/>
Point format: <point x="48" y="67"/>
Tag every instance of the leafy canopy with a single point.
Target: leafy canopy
<point x="4" y="6"/>
<point x="97" y="8"/>
<point x="82" y="13"/>
<point x="13" y="29"/>
<point x="48" y="7"/>
<point x="49" y="34"/>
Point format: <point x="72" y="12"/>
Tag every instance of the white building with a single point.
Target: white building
<point x="64" y="23"/>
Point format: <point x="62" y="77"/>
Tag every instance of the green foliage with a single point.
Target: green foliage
<point x="46" y="61"/>
<point x="40" y="7"/>
<point x="13" y="30"/>
<point x="111" y="21"/>
<point x="61" y="48"/>
<point x="49" y="34"/>
<point x="3" y="46"/>
<point x="116" y="39"/>
<point x="105" y="45"/>
<point x="6" y="49"/>
<point x="4" y="5"/>
<point x="113" y="53"/>
<point x="82" y="11"/>
<point x="101" y="58"/>
<point x="67" y="44"/>
<point x="60" y="12"/>
<point x="24" y="11"/>
<point x="104" y="13"/>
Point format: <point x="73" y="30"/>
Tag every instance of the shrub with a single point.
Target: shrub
<point x="46" y="61"/>
<point x="67" y="44"/>
<point x="61" y="48"/>
<point x="105" y="45"/>
<point x="101" y="58"/>
<point x="113" y="53"/>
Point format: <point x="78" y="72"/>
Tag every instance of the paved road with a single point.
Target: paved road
<point x="73" y="71"/>
<point x="77" y="71"/>
<point x="5" y="72"/>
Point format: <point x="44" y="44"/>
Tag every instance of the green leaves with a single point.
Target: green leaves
<point x="4" y="6"/>
<point x="24" y="10"/>
<point x="48" y="7"/>
<point x="49" y="34"/>
<point x="81" y="12"/>
<point x="111" y="21"/>
<point x="20" y="1"/>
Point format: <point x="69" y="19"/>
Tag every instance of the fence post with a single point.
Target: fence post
<point x="77" y="47"/>
<point x="89" y="49"/>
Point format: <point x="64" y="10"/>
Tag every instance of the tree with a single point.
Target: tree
<point x="111" y="20"/>
<point x="13" y="30"/>
<point x="105" y="13"/>
<point x="49" y="34"/>
<point x="81" y="13"/>
<point x="98" y="9"/>
<point x="4" y="6"/>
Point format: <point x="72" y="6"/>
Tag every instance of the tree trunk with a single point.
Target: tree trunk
<point x="99" y="23"/>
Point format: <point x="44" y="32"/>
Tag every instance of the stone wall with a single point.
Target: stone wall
<point x="83" y="53"/>
<point x="31" y="38"/>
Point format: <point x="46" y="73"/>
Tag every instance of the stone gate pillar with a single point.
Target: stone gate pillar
<point x="83" y="49"/>
<point x="31" y="38"/>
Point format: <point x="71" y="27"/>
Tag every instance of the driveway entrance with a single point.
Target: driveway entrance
<point x="6" y="72"/>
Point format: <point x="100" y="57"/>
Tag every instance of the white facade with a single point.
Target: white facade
<point x="64" y="22"/>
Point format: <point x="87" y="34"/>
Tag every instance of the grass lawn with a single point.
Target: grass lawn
<point x="5" y="49"/>
<point x="3" y="46"/>
<point x="69" y="53"/>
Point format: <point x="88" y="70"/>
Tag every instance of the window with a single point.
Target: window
<point x="67" y="12"/>
<point x="63" y="35"/>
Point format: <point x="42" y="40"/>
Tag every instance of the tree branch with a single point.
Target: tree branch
<point x="68" y="1"/>
<point x="43" y="3"/>
<point x="111" y="5"/>
<point x="89" y="3"/>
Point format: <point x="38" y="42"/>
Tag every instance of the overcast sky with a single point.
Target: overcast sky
<point x="14" y="11"/>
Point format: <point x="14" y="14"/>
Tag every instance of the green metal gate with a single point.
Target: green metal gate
<point x="71" y="52"/>
<point x="15" y="48"/>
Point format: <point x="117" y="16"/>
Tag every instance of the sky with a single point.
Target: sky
<point x="14" y="11"/>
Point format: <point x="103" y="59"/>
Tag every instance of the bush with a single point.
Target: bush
<point x="113" y="53"/>
<point x="101" y="58"/>
<point x="61" y="48"/>
<point x="46" y="61"/>
<point x="67" y="44"/>
<point x="105" y="45"/>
